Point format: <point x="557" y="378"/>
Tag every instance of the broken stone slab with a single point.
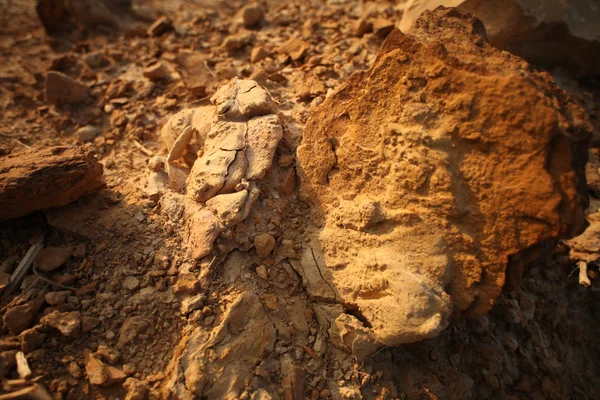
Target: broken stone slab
<point x="132" y="326"/>
<point x="68" y="323"/>
<point x="51" y="258"/>
<point x="29" y="178"/>
<point x="203" y="228"/>
<point x="61" y="89"/>
<point x="221" y="366"/>
<point x="448" y="198"/>
<point x="228" y="207"/>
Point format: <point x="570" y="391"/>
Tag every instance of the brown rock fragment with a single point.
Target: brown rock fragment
<point x="31" y="339"/>
<point x="451" y="199"/>
<point x="95" y="369"/>
<point x="29" y="178"/>
<point x="68" y="323"/>
<point x="51" y="258"/>
<point x="60" y="89"/>
<point x="18" y="318"/>
<point x="264" y="244"/>
<point x="136" y="389"/>
<point x="253" y="14"/>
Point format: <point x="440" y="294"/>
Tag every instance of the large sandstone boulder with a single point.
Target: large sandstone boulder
<point x="548" y="32"/>
<point x="434" y="175"/>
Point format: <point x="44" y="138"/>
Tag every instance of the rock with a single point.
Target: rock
<point x="136" y="389"/>
<point x="156" y="164"/>
<point x="87" y="133"/>
<point x="156" y="71"/>
<point x="243" y="98"/>
<point x="253" y="14"/>
<point x="261" y="271"/>
<point x="382" y="27"/>
<point x="51" y="258"/>
<point x="60" y="89"/>
<point x="362" y="27"/>
<point x="192" y="303"/>
<point x="434" y="217"/>
<point x="68" y="323"/>
<point x="109" y="354"/>
<point x="258" y="53"/>
<point x="234" y="43"/>
<point x="132" y="326"/>
<point x="74" y="370"/>
<point x="264" y="134"/>
<point x="160" y="26"/>
<point x="288" y="185"/>
<point x="203" y="228"/>
<point x="7" y="362"/>
<point x="528" y="28"/>
<point x="130" y="283"/>
<point x="95" y="369"/>
<point x="29" y="178"/>
<point x="264" y="244"/>
<point x="292" y="381"/>
<point x="115" y="375"/>
<point x="187" y="283"/>
<point x="95" y="60"/>
<point x="194" y="72"/>
<point x="18" y="318"/>
<point x="57" y="298"/>
<point x="243" y="338"/>
<point x="296" y="49"/>
<point x="89" y="323"/>
<point x="31" y="339"/>
<point x="228" y="207"/>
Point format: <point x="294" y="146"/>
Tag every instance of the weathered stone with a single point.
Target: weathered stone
<point x="258" y="53"/>
<point x="264" y="244"/>
<point x="242" y="339"/>
<point x="264" y="134"/>
<point x="95" y="369"/>
<point x="528" y="28"/>
<point x="435" y="174"/>
<point x="228" y="207"/>
<point x="136" y="389"/>
<point x="203" y="227"/>
<point x="31" y="339"/>
<point x="51" y="258"/>
<point x="132" y="326"/>
<point x="60" y="89"/>
<point x="108" y="353"/>
<point x="57" y="298"/>
<point x="68" y="323"/>
<point x="253" y="14"/>
<point x="18" y="318"/>
<point x="87" y="133"/>
<point x="130" y="283"/>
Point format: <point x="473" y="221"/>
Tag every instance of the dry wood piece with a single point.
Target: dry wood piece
<point x="33" y="180"/>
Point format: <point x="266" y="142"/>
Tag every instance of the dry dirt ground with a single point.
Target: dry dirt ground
<point x="123" y="321"/>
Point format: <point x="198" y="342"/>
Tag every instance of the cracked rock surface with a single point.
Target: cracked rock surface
<point x="432" y="180"/>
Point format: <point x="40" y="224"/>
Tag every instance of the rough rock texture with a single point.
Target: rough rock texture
<point x="29" y="179"/>
<point x="553" y="32"/>
<point x="229" y="146"/>
<point x="444" y="165"/>
<point x="220" y="366"/>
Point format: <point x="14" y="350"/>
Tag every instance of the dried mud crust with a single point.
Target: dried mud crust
<point x="149" y="321"/>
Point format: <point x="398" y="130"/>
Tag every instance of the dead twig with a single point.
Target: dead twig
<point x="144" y="150"/>
<point x="24" y="266"/>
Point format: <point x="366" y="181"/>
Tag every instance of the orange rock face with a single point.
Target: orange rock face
<point x="436" y="174"/>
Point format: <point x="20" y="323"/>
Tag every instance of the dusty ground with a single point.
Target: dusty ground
<point x="538" y="342"/>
